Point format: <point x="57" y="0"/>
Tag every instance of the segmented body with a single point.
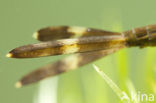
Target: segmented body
<point x="142" y="37"/>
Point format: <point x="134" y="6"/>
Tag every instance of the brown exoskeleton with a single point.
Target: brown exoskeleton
<point x="89" y="44"/>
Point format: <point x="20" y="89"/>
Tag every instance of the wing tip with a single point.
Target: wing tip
<point x="18" y="85"/>
<point x="9" y="55"/>
<point x="35" y="35"/>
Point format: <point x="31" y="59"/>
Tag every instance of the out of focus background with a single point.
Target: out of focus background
<point x="132" y="69"/>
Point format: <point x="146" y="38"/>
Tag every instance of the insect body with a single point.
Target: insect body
<point x="142" y="37"/>
<point x="89" y="44"/>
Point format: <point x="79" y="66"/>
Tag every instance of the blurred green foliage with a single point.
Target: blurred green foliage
<point x="132" y="66"/>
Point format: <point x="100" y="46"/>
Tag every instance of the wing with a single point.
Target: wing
<point x="67" y="46"/>
<point x="62" y="40"/>
<point x="87" y="40"/>
<point x="64" y="32"/>
<point x="64" y="65"/>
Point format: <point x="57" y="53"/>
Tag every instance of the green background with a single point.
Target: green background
<point x="20" y="18"/>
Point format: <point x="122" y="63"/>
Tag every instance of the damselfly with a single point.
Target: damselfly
<point x="88" y="44"/>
